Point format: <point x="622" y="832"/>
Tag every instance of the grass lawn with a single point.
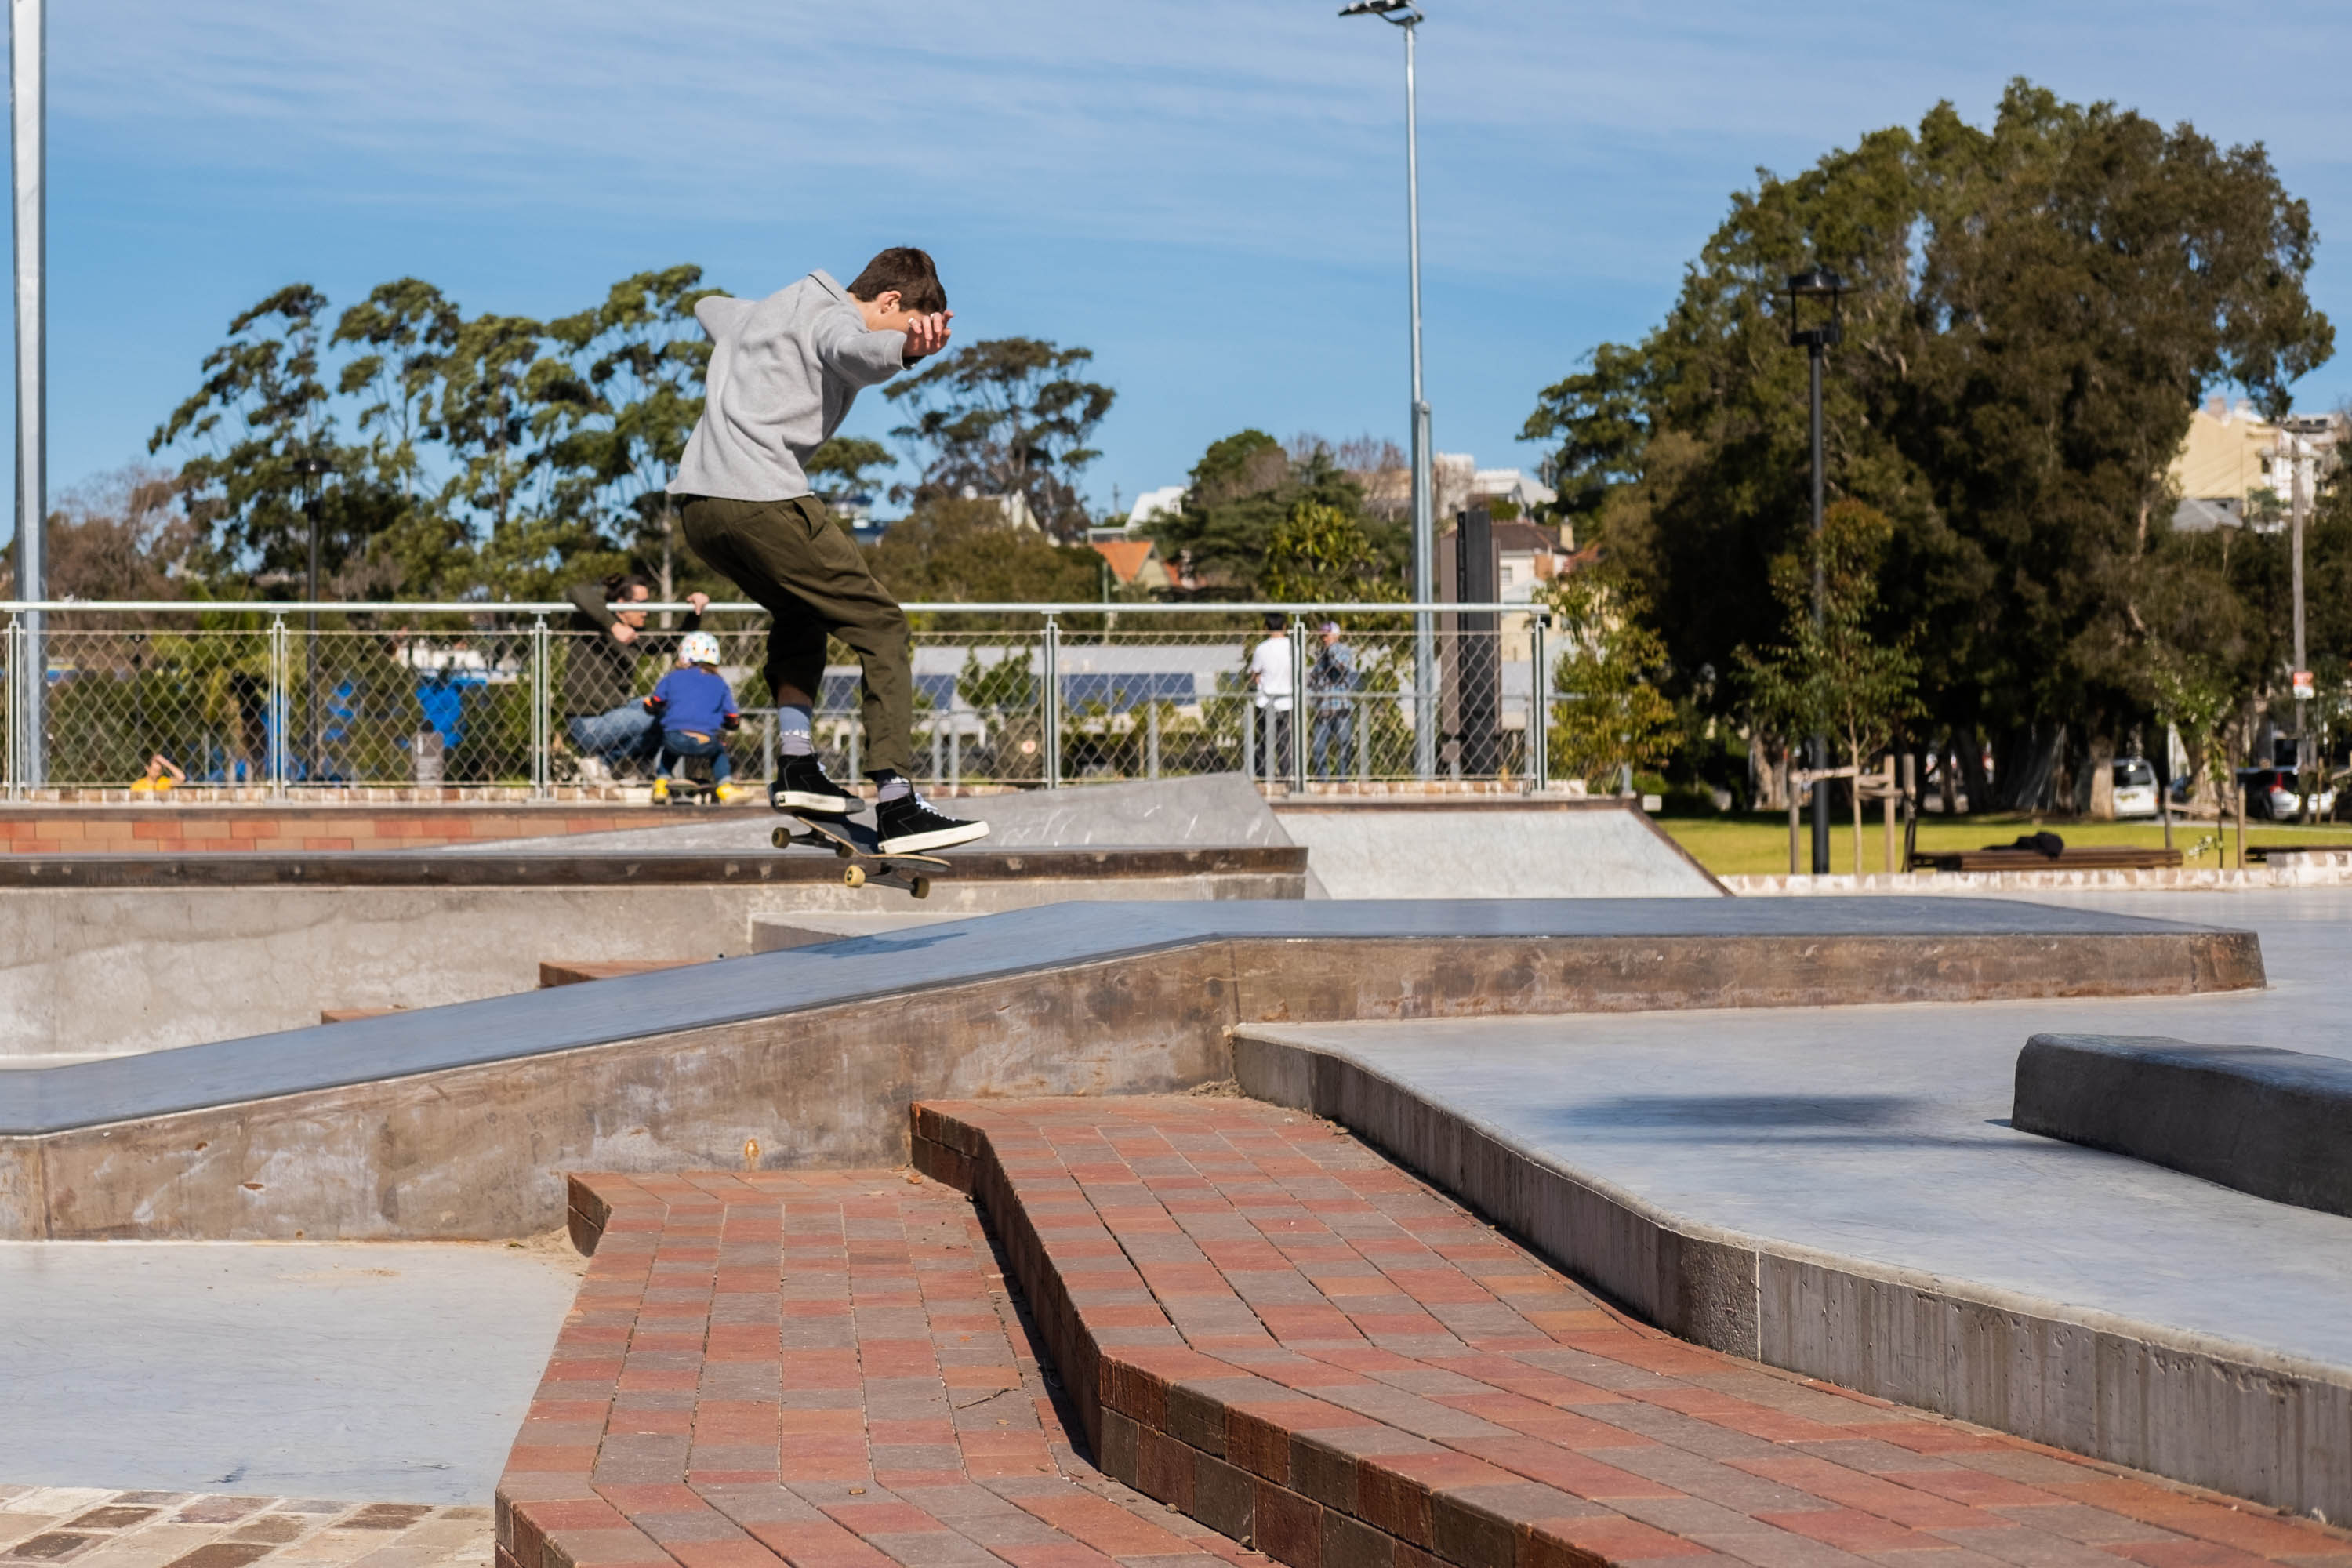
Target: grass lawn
<point x="1757" y="843"/>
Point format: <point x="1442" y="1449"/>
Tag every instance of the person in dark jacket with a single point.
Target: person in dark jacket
<point x="611" y="729"/>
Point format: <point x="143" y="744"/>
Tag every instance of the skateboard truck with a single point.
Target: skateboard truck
<point x="856" y="844"/>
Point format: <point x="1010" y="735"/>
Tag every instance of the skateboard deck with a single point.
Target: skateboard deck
<point x="855" y="843"/>
<point x="691" y="791"/>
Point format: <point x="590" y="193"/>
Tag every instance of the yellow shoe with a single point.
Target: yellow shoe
<point x="661" y="791"/>
<point x="729" y="794"/>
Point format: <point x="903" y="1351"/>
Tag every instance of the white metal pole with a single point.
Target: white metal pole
<point x="1424" y="538"/>
<point x="27" y="49"/>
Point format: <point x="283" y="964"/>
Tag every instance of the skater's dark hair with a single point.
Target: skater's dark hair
<point x="621" y="584"/>
<point x="907" y="270"/>
<point x="1273" y="621"/>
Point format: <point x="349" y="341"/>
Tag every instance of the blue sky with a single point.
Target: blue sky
<point x="1209" y="195"/>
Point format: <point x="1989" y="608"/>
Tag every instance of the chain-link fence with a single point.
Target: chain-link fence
<point x="250" y="698"/>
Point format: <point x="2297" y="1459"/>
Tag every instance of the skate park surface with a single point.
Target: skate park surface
<point x="116" y="953"/>
<point x="336" y="1371"/>
<point x="1848" y="1122"/>
<point x="1866" y="1149"/>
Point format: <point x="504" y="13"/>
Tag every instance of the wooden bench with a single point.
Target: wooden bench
<point x="2099" y="858"/>
<point x="1271" y="1338"/>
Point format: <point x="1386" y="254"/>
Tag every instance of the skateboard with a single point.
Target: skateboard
<point x="685" y="792"/>
<point x="855" y="843"/>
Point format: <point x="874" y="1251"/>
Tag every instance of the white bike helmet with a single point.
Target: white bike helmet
<point x="699" y="648"/>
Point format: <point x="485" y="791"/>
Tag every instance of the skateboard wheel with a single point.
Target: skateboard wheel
<point x="922" y="888"/>
<point x="854" y="876"/>
<point x="781" y="837"/>
<point x="842" y="852"/>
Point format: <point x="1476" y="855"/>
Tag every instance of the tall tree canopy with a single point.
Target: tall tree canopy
<point x="2035" y="309"/>
<point x="1008" y="416"/>
<point x="1248" y="490"/>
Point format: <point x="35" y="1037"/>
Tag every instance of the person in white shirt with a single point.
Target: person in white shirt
<point x="1269" y="672"/>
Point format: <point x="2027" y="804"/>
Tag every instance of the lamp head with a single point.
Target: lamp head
<point x="1399" y="12"/>
<point x="1818" y="283"/>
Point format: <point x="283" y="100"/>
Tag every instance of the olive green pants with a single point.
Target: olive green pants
<point x="807" y="573"/>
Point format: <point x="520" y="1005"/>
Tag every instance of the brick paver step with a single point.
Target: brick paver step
<point x="821" y="1369"/>
<point x="1270" y="1327"/>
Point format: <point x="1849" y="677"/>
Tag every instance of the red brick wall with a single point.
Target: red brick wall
<point x="220" y="830"/>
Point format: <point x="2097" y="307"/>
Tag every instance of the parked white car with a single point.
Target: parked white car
<point x="2270" y="795"/>
<point x="2134" y="788"/>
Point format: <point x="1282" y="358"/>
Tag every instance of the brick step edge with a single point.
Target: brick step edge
<point x="1296" y="1497"/>
<point x="554" y="1519"/>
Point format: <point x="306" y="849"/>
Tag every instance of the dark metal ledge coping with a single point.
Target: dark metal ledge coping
<point x="345" y="869"/>
<point x="503" y="1029"/>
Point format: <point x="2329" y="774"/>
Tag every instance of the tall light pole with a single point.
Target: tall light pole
<point x="313" y="469"/>
<point x="28" y="68"/>
<point x="1401" y="14"/>
<point x="2298" y="501"/>
<point x="1822" y="286"/>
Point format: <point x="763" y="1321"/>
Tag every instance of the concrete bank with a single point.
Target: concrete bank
<point x="1501" y="848"/>
<point x="2241" y="1382"/>
<point x="458" y="1121"/>
<point x="105" y="955"/>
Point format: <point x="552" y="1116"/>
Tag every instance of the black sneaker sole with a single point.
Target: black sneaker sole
<point x="938" y="838"/>
<point x="811" y="804"/>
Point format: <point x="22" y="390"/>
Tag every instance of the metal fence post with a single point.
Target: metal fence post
<point x="15" y="704"/>
<point x="1050" y="702"/>
<point x="1296" y="760"/>
<point x="542" y="735"/>
<point x="278" y="704"/>
<point x="1539" y="703"/>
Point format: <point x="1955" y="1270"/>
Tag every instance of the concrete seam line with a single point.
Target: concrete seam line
<point x="2188" y="1341"/>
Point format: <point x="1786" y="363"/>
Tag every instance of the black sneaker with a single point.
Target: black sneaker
<point x="802" y="787"/>
<point x="908" y="826"/>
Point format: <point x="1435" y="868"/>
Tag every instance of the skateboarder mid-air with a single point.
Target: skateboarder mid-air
<point x="783" y="372"/>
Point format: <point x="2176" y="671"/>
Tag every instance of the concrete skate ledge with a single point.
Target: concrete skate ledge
<point x="2196" y="1407"/>
<point x="458" y="1120"/>
<point x="2274" y="1123"/>
<point x="262" y="868"/>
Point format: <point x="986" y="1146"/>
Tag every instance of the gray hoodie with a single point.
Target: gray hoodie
<point x="783" y="372"/>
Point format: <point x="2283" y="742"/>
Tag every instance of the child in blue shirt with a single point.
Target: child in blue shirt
<point x="695" y="707"/>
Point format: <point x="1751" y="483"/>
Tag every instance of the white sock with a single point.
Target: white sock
<point x="794" y="731"/>
<point x="896" y="787"/>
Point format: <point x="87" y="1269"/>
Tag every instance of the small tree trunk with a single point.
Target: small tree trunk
<point x="1969" y="745"/>
<point x="1853" y="794"/>
<point x="2103" y="778"/>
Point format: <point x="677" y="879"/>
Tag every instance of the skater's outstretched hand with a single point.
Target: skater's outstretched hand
<point x="926" y="334"/>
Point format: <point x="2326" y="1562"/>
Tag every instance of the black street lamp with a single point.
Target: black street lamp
<point x="1825" y="289"/>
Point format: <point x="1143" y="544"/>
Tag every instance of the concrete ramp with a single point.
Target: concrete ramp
<point x="458" y="1121"/>
<point x="1221" y="809"/>
<point x="1491" y="849"/>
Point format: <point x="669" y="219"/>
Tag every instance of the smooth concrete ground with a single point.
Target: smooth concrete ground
<point x="1485" y="847"/>
<point x="1491" y="850"/>
<point x="1221" y="809"/>
<point x="1880" y="1132"/>
<point x="391" y="1372"/>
